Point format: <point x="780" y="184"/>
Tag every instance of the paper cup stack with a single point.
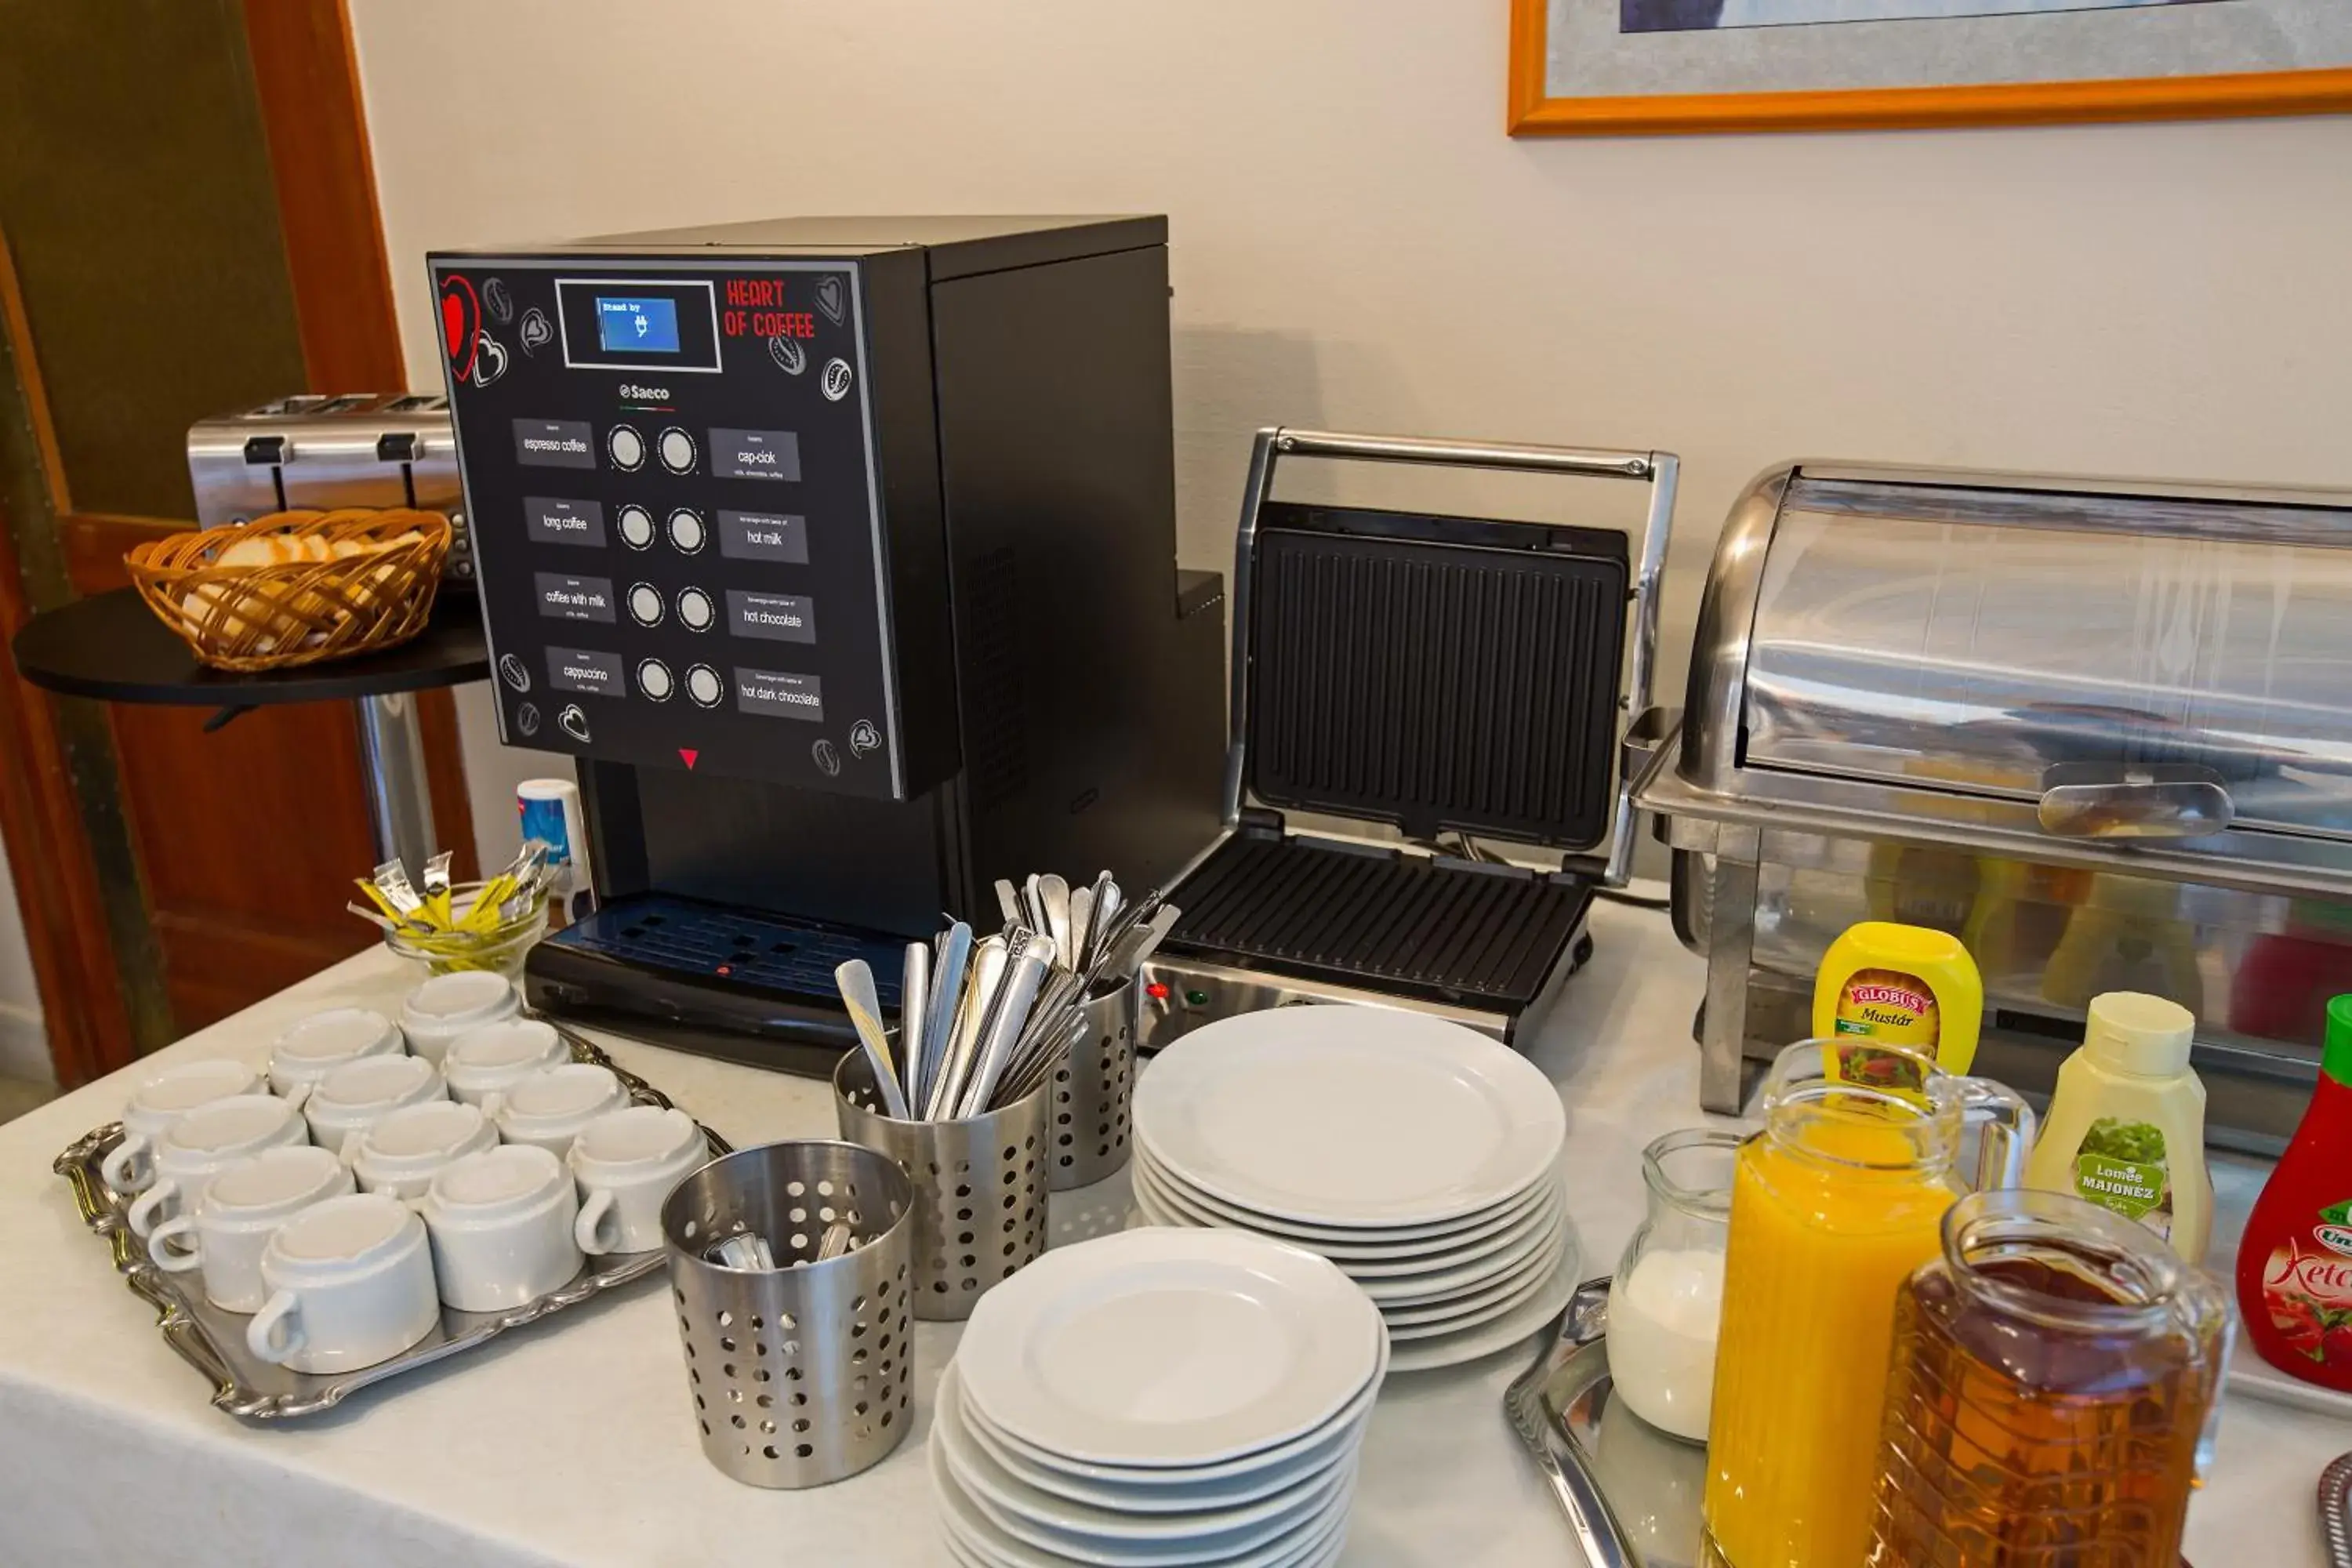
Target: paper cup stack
<point x="1421" y="1157"/>
<point x="1157" y="1396"/>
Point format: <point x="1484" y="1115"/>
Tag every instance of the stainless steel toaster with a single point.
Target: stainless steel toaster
<point x="365" y="449"/>
<point x="2099" y="730"/>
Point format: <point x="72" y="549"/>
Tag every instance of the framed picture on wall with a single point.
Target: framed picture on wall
<point x="1634" y="67"/>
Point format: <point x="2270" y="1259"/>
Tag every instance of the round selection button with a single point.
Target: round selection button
<point x="676" y="450"/>
<point x="654" y="679"/>
<point x="636" y="526"/>
<point x="646" y="604"/>
<point x="626" y="448"/>
<point x="695" y="609"/>
<point x="702" y="684"/>
<point x="687" y="534"/>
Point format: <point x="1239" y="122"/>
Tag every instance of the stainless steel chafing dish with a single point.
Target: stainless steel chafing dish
<point x="2101" y="730"/>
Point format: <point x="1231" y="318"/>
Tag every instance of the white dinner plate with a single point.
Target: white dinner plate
<point x="1505" y="1257"/>
<point x="1405" y="1253"/>
<point x="1530" y="1317"/>
<point x="983" y="1540"/>
<point x="991" y="1482"/>
<point x="1358" y="1117"/>
<point x="1149" y="1488"/>
<point x="1174" y="1347"/>
<point x="1359" y="1262"/>
<point x="1459" y="1310"/>
<point x="1158" y="1551"/>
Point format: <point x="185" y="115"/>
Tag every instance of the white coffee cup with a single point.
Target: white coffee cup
<point x="496" y="1056"/>
<point x="350" y="1284"/>
<point x="400" y="1155"/>
<point x="501" y="1226"/>
<point x="243" y="1204"/>
<point x="549" y="1108"/>
<point x="626" y="1162"/>
<point x="163" y="1098"/>
<point x="359" y="1094"/>
<point x="206" y="1141"/>
<point x="325" y="1041"/>
<point x="447" y="1005"/>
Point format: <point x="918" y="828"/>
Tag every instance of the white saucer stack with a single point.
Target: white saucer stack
<point x="1421" y="1157"/>
<point x="1157" y="1397"/>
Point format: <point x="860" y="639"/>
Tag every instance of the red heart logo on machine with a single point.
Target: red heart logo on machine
<point x="461" y="325"/>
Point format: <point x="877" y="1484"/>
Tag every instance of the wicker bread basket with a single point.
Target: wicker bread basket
<point x="295" y="587"/>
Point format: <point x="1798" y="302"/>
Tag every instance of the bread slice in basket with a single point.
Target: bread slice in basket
<point x="295" y="587"/>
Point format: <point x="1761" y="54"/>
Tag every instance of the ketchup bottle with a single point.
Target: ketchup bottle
<point x="2295" y="1266"/>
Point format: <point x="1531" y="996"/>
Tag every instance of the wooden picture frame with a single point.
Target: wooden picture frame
<point x="1533" y="111"/>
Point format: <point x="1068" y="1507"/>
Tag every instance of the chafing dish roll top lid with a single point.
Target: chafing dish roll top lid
<point x="2074" y="671"/>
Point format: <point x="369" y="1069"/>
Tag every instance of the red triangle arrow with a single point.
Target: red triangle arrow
<point x="687" y="755"/>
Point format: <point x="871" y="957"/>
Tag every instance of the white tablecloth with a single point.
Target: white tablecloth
<point x="572" y="1442"/>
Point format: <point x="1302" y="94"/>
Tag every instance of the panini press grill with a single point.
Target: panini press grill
<point x="1454" y="680"/>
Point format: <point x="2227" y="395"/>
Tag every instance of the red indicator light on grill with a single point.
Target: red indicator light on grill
<point x="724" y="969"/>
<point x="1155" y="991"/>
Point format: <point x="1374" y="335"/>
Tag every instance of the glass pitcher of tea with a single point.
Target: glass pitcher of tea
<point x="1833" y="1203"/>
<point x="2054" y="1371"/>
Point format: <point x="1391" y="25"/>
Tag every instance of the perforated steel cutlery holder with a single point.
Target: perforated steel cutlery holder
<point x="1093" y="1091"/>
<point x="980" y="1186"/>
<point x="800" y="1373"/>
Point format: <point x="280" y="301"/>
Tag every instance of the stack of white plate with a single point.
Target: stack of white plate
<point x="1157" y="1396"/>
<point x="1421" y="1157"/>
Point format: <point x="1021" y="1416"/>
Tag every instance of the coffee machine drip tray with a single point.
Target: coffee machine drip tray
<point x="744" y="984"/>
<point x="1457" y="935"/>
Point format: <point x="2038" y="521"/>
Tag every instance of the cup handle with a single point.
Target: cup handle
<point x="175" y="1247"/>
<point x="127" y="1166"/>
<point x="298" y="1096"/>
<point x="348" y="1153"/>
<point x="2009" y="1126"/>
<point x="492" y="1101"/>
<point x="587" y="1229"/>
<point x="275" y="1332"/>
<point x="142" y="1217"/>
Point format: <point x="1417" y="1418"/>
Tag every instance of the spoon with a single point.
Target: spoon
<point x="856" y="981"/>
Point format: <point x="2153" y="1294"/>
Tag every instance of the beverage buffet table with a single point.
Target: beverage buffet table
<point x="571" y="1442"/>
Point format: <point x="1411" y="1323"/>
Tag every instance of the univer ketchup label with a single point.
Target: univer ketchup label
<point x="2295" y="1293"/>
<point x="2307" y="1291"/>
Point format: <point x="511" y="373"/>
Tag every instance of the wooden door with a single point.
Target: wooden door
<point x="187" y="226"/>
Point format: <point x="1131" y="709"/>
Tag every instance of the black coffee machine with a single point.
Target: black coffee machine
<point x="841" y="554"/>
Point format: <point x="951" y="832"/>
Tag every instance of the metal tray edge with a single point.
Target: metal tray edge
<point x="79" y="1163"/>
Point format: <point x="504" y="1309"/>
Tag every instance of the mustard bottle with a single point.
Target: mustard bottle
<point x="1904" y="986"/>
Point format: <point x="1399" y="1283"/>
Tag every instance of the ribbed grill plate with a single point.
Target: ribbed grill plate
<point x="1443" y="930"/>
<point x="1436" y="686"/>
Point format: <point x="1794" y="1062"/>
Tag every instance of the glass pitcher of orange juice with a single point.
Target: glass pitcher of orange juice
<point x="1833" y="1205"/>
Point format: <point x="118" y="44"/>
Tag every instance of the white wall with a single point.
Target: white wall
<point x="1357" y="244"/>
<point x="23" y="1043"/>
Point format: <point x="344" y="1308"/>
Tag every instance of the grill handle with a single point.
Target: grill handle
<point x="1656" y="469"/>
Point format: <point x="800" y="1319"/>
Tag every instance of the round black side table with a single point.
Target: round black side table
<point x="111" y="646"/>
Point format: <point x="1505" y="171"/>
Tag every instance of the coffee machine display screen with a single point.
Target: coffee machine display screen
<point x="670" y="472"/>
<point x="637" y="324"/>
<point x="627" y="323"/>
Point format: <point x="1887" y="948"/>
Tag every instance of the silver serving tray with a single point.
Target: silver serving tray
<point x="1655" y="1485"/>
<point x="213" y="1340"/>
